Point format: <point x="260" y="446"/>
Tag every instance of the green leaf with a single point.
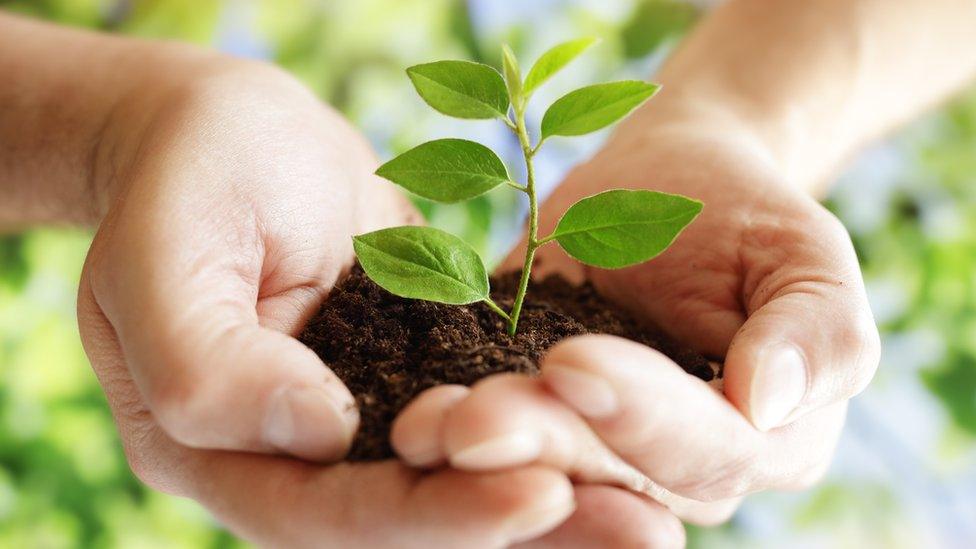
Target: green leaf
<point x="461" y="88"/>
<point x="554" y="60"/>
<point x="446" y="170"/>
<point x="619" y="228"/>
<point x="513" y="75"/>
<point x="423" y="263"/>
<point x="594" y="107"/>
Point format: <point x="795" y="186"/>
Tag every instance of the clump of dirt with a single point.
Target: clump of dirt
<point x="388" y="349"/>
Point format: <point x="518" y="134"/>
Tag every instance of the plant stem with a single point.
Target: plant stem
<point x="533" y="243"/>
<point x="494" y="307"/>
<point x="540" y="242"/>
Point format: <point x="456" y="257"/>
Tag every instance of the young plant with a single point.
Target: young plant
<point x="612" y="229"/>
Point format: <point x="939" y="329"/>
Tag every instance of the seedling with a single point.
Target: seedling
<point x="611" y="230"/>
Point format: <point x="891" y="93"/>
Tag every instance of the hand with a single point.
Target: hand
<point x="231" y="211"/>
<point x="765" y="278"/>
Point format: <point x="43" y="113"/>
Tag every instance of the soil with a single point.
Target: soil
<point x="387" y="349"/>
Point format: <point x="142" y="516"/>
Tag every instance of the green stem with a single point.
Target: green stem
<point x="533" y="243"/>
<point x="494" y="307"/>
<point x="542" y="241"/>
<point x="537" y="145"/>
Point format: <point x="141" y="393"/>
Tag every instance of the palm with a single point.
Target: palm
<point x="725" y="265"/>
<point x="231" y="222"/>
<point x="744" y="282"/>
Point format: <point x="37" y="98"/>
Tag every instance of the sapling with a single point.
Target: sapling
<point x="611" y="230"/>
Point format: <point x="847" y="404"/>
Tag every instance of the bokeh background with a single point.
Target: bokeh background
<point x="905" y="473"/>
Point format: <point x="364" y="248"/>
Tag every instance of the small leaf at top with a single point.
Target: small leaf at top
<point x="554" y="60"/>
<point x="513" y="75"/>
<point x="619" y="228"/>
<point x="446" y="170"/>
<point x="461" y="88"/>
<point x="423" y="263"/>
<point x="594" y="107"/>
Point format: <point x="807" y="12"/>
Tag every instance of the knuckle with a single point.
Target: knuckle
<point x="713" y="513"/>
<point x="808" y="478"/>
<point x="828" y="224"/>
<point x="863" y="336"/>
<point x="731" y="479"/>
<point x="179" y="406"/>
<point x="716" y="489"/>
<point x="140" y="445"/>
<point x="833" y="224"/>
<point x="99" y="275"/>
<point x="145" y="470"/>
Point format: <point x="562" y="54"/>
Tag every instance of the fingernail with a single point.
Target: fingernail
<point x="589" y="394"/>
<point x="496" y="453"/>
<point x="307" y="422"/>
<point x="778" y="385"/>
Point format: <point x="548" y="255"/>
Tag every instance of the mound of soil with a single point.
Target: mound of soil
<point x="387" y="349"/>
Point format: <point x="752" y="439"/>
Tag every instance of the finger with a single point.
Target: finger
<point x="610" y="517"/>
<point x="810" y="339"/>
<point x="184" y="312"/>
<point x="159" y="468"/>
<point x="509" y="421"/>
<point x="417" y="434"/>
<point x="712" y="513"/>
<point x="286" y="503"/>
<point x="648" y="411"/>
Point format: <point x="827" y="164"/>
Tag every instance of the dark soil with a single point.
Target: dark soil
<point x="387" y="349"/>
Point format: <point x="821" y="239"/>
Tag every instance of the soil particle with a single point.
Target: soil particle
<point x="387" y="349"/>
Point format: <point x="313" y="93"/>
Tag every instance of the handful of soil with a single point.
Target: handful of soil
<point x="388" y="349"/>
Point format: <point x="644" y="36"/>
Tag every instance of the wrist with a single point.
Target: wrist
<point x="783" y="137"/>
<point x="680" y="118"/>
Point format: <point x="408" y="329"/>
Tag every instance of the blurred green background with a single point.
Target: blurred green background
<point x="905" y="474"/>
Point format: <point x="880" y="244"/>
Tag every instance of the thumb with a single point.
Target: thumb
<point x="210" y="373"/>
<point x="811" y="343"/>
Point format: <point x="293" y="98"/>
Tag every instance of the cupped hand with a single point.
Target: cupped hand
<point x="232" y="195"/>
<point x="765" y="280"/>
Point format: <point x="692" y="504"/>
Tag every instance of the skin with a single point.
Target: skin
<point x="751" y="123"/>
<point x="225" y="197"/>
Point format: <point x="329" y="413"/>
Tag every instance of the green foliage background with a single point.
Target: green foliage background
<point x="906" y="470"/>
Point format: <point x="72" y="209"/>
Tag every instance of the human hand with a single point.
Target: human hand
<point x="231" y="209"/>
<point x="765" y="278"/>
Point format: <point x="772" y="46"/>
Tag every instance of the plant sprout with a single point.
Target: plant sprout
<point x="610" y="230"/>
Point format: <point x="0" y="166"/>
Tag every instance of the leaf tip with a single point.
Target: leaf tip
<point x="695" y="205"/>
<point x="590" y="41"/>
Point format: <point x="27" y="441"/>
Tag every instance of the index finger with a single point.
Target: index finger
<point x="675" y="428"/>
